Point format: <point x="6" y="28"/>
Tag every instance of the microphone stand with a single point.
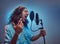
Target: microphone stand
<point x="42" y="28"/>
<point x="37" y="21"/>
<point x="39" y="28"/>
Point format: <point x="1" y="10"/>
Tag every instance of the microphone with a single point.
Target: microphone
<point x="37" y="22"/>
<point x="41" y="23"/>
<point x="37" y="19"/>
<point x="31" y="15"/>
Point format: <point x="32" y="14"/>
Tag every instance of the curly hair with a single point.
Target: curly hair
<point x="17" y="14"/>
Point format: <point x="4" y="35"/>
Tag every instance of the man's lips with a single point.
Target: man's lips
<point x="25" y="16"/>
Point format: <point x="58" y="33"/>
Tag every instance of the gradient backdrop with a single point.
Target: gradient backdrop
<point x="49" y="12"/>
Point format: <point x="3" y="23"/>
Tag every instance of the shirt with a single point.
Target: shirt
<point x="23" y="38"/>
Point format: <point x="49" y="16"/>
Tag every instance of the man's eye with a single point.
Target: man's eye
<point x="26" y="11"/>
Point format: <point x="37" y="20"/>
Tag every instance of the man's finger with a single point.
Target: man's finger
<point x="20" y="21"/>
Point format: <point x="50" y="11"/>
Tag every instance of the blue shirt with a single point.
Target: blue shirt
<point x="23" y="38"/>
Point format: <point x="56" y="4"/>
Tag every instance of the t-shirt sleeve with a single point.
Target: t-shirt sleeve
<point x="7" y="35"/>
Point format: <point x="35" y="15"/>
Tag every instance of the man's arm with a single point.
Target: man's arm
<point x="14" y="39"/>
<point x="42" y="33"/>
<point x="8" y="39"/>
<point x="18" y="29"/>
<point x="35" y="37"/>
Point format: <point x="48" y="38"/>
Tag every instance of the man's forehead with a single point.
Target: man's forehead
<point x="26" y="10"/>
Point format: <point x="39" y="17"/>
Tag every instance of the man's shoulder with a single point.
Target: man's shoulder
<point x="8" y="26"/>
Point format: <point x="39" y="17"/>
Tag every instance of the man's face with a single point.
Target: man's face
<point x="24" y="14"/>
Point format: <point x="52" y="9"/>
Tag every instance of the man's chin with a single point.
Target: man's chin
<point x="24" y="19"/>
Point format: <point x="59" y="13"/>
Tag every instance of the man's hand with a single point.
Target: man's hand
<point x="18" y="28"/>
<point x="42" y="32"/>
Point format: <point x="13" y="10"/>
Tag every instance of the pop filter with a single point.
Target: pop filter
<point x="31" y="15"/>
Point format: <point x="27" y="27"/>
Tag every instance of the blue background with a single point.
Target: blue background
<point x="49" y="12"/>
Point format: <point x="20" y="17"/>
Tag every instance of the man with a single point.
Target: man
<point x="17" y="31"/>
